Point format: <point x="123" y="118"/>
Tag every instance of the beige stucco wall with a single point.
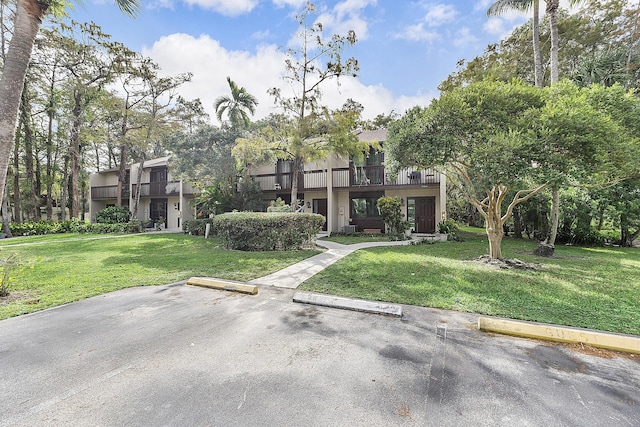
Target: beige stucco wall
<point x="103" y="179"/>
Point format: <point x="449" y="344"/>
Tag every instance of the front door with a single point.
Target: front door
<point x="158" y="209"/>
<point x="320" y="207"/>
<point x="426" y="215"/>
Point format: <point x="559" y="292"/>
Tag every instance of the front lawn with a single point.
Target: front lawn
<point x="56" y="270"/>
<point x="595" y="288"/>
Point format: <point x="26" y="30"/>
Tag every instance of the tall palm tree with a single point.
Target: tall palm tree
<point x="500" y="6"/>
<point x="236" y="106"/>
<point x="28" y="17"/>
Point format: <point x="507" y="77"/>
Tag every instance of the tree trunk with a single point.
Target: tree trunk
<point x="65" y="190"/>
<point x="297" y="166"/>
<point x="122" y="172"/>
<point x="493" y="221"/>
<point x="5" y="215"/>
<point x="17" y="206"/>
<point x="626" y="236"/>
<point x="136" y="201"/>
<point x="74" y="154"/>
<point x="554" y="216"/>
<point x="49" y="165"/>
<point x="28" y="17"/>
<point x="517" y="224"/>
<point x="552" y="9"/>
<point x="547" y="247"/>
<point x="33" y="199"/>
<point x="495" y="242"/>
<point x="537" y="53"/>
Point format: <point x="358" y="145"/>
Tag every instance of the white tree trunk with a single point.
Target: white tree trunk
<point x="495" y="233"/>
<point x="297" y="166"/>
<point x="27" y="22"/>
<point x="555" y="216"/>
<point x="537" y="53"/>
<point x="552" y="8"/>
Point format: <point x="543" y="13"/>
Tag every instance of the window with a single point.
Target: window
<point x="368" y="170"/>
<point x="365" y="205"/>
<point x="373" y="158"/>
<point x="158" y="175"/>
<point x="411" y="213"/>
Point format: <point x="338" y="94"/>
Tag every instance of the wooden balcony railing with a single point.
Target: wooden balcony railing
<point x="150" y="189"/>
<point x="358" y="177"/>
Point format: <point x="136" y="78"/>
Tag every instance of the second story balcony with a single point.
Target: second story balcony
<point x="149" y="189"/>
<point x="350" y="178"/>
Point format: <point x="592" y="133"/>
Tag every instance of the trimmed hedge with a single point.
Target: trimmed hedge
<point x="72" y="226"/>
<point x="259" y="231"/>
<point x="113" y="215"/>
<point x="196" y="227"/>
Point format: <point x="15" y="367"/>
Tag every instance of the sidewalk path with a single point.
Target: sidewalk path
<point x="292" y="276"/>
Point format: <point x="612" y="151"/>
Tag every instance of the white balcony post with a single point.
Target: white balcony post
<point x="330" y="195"/>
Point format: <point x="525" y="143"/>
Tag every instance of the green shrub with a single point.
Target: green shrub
<point x="611" y="236"/>
<point x="134" y="226"/>
<point x="450" y="227"/>
<point x="113" y="215"/>
<point x="7" y="267"/>
<point x="391" y="213"/>
<point x="73" y="225"/>
<point x="581" y="237"/>
<point x="196" y="227"/>
<point x="278" y="205"/>
<point x="254" y="231"/>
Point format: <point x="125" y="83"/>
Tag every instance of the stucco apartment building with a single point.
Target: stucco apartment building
<point x="345" y="190"/>
<point x="160" y="197"/>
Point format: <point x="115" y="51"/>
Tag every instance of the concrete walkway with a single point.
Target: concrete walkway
<point x="292" y="276"/>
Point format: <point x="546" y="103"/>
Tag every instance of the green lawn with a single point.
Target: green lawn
<point x="595" y="288"/>
<point x="56" y="270"/>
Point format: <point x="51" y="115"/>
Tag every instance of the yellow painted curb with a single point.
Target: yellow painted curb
<point x="223" y="285"/>
<point x="626" y="343"/>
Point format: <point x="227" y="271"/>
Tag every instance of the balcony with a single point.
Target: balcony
<point x="152" y="189"/>
<point x="108" y="192"/>
<point x="350" y="178"/>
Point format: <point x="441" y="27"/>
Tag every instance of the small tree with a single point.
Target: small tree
<point x="391" y="213"/>
<point x="473" y="134"/>
<point x="309" y="64"/>
<point x="509" y="141"/>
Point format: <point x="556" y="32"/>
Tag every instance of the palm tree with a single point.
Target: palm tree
<point x="28" y="17"/>
<point x="236" y="106"/>
<point x="500" y="6"/>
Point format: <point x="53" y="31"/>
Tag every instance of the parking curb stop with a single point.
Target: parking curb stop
<point x="223" y="285"/>
<point x="610" y="341"/>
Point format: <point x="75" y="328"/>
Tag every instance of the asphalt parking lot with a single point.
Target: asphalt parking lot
<point x="178" y="355"/>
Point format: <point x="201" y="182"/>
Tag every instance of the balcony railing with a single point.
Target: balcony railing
<point x="152" y="189"/>
<point x="358" y="177"/>
<point x="108" y="192"/>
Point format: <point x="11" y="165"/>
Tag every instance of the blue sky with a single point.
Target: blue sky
<point x="405" y="48"/>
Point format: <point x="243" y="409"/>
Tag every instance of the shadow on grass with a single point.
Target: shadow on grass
<point x="582" y="288"/>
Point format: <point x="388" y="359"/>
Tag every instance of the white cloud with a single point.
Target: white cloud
<point x="494" y="26"/>
<point x="463" y="37"/>
<point x="161" y="4"/>
<point x="345" y="16"/>
<point x="417" y="33"/>
<point x="257" y="71"/>
<point x="440" y="14"/>
<point x="483" y="4"/>
<point x="261" y="35"/>
<point x="226" y="7"/>
<point x="291" y="3"/>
